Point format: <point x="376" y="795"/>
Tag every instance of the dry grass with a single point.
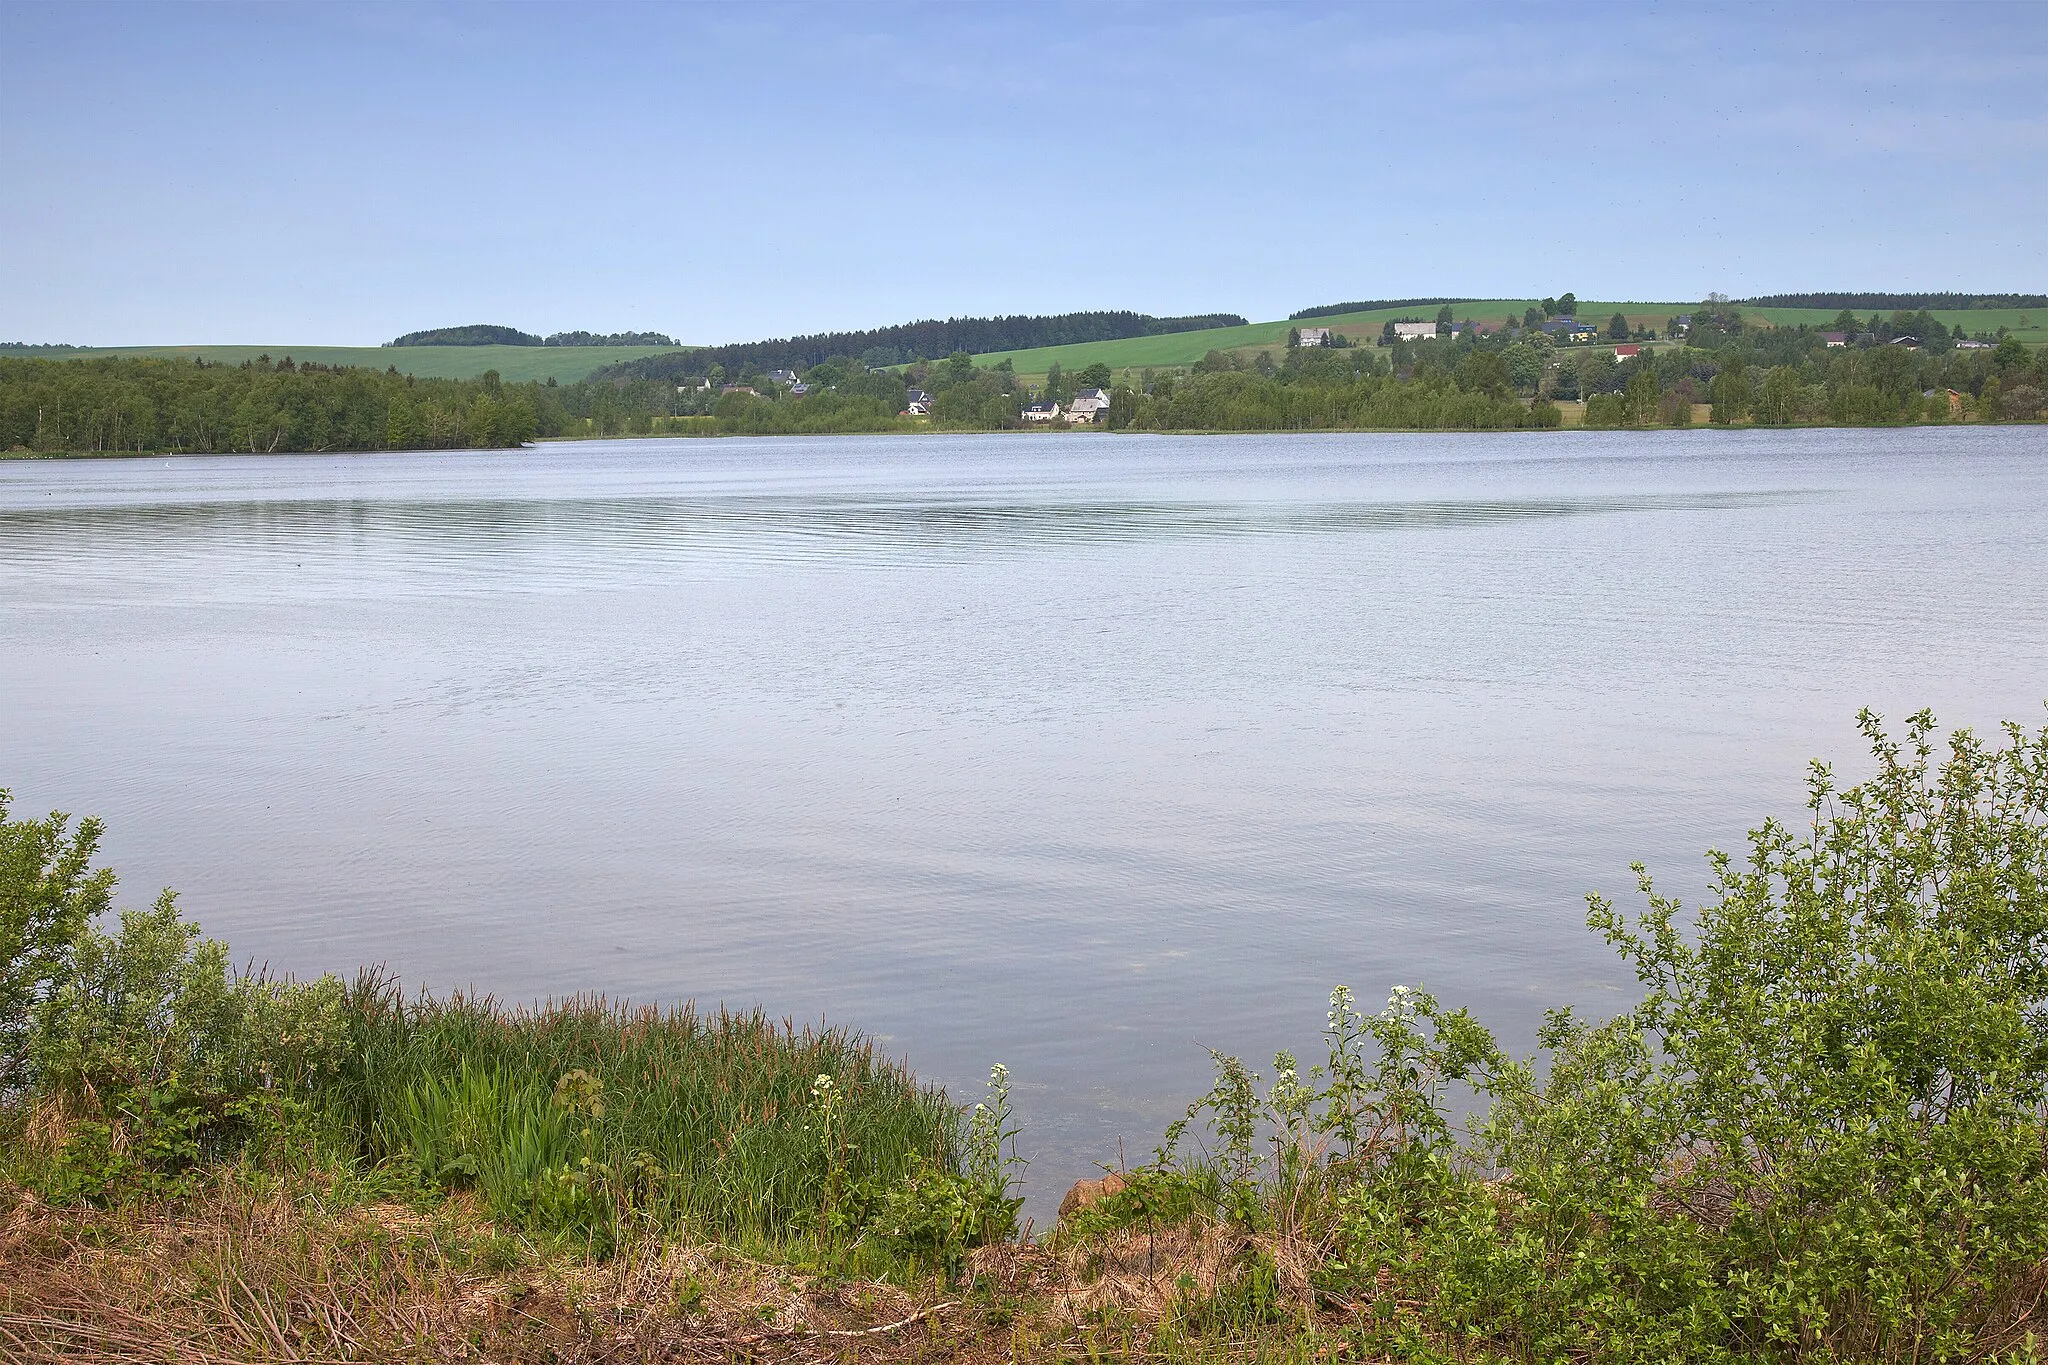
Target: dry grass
<point x="264" y="1274"/>
<point x="240" y="1276"/>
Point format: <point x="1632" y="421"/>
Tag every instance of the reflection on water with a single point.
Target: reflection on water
<point x="1071" y="752"/>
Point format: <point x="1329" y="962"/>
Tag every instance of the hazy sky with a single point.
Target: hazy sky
<point x="341" y="173"/>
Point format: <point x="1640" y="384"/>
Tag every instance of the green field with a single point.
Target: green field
<point x="514" y="364"/>
<point x="567" y="364"/>
<point x="2028" y="324"/>
<point x="1185" y="348"/>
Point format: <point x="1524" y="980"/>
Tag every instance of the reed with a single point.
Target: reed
<point x="590" y="1116"/>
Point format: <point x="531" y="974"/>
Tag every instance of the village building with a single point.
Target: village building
<point x="1627" y="352"/>
<point x="1315" y="336"/>
<point x="1835" y="338"/>
<point x="918" y="407"/>
<point x="1414" y="331"/>
<point x="1042" y="412"/>
<point x="1086" y="406"/>
<point x="1571" y="329"/>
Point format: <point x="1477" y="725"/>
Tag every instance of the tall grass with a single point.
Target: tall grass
<point x="586" y="1115"/>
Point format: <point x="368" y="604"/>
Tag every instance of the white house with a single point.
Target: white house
<point x="918" y="408"/>
<point x="1414" y="331"/>
<point x="1315" y="336"/>
<point x="1042" y="412"/>
<point x="782" y="376"/>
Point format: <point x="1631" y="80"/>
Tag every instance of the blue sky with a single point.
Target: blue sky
<point x="342" y="173"/>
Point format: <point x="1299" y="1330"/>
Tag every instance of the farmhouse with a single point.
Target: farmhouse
<point x="1627" y="352"/>
<point x="1042" y="412"/>
<point x="1315" y="336"/>
<point x="918" y="408"/>
<point x="1835" y="338"/>
<point x="1086" y="405"/>
<point x="1414" y="331"/>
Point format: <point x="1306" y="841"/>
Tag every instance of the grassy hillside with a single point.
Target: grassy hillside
<point x="567" y="364"/>
<point x="1185" y="348"/>
<point x="2029" y="324"/>
<point x="514" y="364"/>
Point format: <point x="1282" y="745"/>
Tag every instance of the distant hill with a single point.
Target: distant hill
<point x="908" y="341"/>
<point x="1895" y="302"/>
<point x="476" y="334"/>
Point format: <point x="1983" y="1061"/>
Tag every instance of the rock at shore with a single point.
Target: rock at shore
<point x="1086" y="1192"/>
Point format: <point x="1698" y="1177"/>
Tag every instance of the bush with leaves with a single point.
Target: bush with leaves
<point x="937" y="1213"/>
<point x="49" y="896"/>
<point x="156" y="1053"/>
<point x="1823" y="1134"/>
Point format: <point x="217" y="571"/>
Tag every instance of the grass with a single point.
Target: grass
<point x="514" y="364"/>
<point x="2029" y="324"/>
<point x="568" y="364"/>
<point x="1185" y="348"/>
<point x="573" y="1116"/>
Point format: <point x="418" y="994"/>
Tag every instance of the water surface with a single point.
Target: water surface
<point x="1074" y="752"/>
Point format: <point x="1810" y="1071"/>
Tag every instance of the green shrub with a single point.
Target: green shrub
<point x="49" y="896"/>
<point x="1820" y="1135"/>
<point x="936" y="1214"/>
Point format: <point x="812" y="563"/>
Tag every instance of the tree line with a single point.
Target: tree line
<point x="1888" y="302"/>
<point x="902" y="344"/>
<point x="1331" y="310"/>
<point x="114" y="404"/>
<point x="488" y="334"/>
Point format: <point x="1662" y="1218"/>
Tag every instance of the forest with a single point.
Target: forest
<point x="488" y="334"/>
<point x="114" y="405"/>
<point x="1897" y="301"/>
<point x="1331" y="310"/>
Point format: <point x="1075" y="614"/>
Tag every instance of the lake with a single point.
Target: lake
<point x="1075" y="752"/>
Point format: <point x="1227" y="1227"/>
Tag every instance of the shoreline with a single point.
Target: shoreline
<point x="29" y="456"/>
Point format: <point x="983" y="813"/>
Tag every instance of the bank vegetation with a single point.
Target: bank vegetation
<point x="1820" y="1135"/>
